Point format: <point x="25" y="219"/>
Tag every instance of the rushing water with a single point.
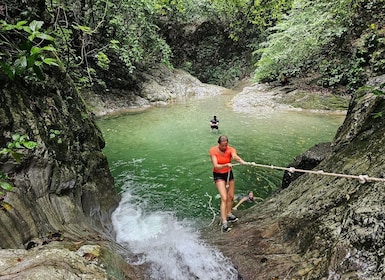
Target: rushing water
<point x="160" y="162"/>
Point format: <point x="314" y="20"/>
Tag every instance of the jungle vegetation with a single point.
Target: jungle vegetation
<point x="336" y="44"/>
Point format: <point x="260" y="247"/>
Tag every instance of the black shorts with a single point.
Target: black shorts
<point x="223" y="176"/>
<point x="214" y="127"/>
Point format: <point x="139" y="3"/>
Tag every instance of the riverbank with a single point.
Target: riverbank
<point x="162" y="86"/>
<point x="266" y="98"/>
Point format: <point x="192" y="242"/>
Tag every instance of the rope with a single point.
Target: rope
<point x="211" y="208"/>
<point x="228" y="179"/>
<point x="361" y="178"/>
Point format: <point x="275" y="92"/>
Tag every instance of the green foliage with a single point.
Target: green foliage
<point x="298" y="41"/>
<point x="199" y="32"/>
<point x="298" y="35"/>
<point x="370" y="46"/>
<point x="321" y="36"/>
<point x="224" y="73"/>
<point x="54" y="133"/>
<point x="261" y="14"/>
<point x="346" y="72"/>
<point x="102" y="60"/>
<point x="25" y="56"/>
<point x="267" y="13"/>
<point x="172" y="9"/>
<point x="4" y="185"/>
<point x="95" y="35"/>
<point x="184" y="11"/>
<point x="379" y="91"/>
<point x="136" y="39"/>
<point x="19" y="142"/>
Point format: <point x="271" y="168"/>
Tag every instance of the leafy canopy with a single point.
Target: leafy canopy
<point x="26" y="55"/>
<point x="299" y="39"/>
<point x="340" y="40"/>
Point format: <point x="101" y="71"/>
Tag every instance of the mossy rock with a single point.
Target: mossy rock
<point x="315" y="101"/>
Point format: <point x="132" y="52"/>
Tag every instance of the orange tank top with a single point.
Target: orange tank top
<point x="222" y="158"/>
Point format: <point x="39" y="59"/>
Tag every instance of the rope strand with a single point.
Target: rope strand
<point x="361" y="178"/>
<point x="228" y="179"/>
<point x="211" y="208"/>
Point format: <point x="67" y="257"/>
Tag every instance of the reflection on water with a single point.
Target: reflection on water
<point x="160" y="162"/>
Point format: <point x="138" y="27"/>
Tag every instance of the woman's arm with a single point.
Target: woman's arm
<point x="216" y="165"/>
<point x="237" y="158"/>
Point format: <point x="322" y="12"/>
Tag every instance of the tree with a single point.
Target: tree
<point x="318" y="36"/>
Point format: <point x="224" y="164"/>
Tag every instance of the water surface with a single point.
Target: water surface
<point x="164" y="151"/>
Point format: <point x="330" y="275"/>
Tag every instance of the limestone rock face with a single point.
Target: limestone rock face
<point x="55" y="262"/>
<point x="63" y="186"/>
<point x="322" y="227"/>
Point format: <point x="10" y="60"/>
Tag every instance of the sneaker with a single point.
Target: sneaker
<point x="225" y="227"/>
<point x="232" y="218"/>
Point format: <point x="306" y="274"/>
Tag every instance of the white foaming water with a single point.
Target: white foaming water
<point x="171" y="247"/>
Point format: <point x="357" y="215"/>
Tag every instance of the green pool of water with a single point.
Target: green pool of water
<point x="161" y="155"/>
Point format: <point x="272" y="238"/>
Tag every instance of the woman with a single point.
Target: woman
<point x="249" y="198"/>
<point x="221" y="156"/>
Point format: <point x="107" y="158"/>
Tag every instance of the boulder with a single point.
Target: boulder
<point x="306" y="161"/>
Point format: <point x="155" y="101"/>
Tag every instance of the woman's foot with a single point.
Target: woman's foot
<point x="225" y="227"/>
<point x="231" y="218"/>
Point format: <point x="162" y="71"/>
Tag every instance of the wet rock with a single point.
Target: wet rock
<point x="306" y="161"/>
<point x="61" y="260"/>
<point x="63" y="190"/>
<point x="261" y="99"/>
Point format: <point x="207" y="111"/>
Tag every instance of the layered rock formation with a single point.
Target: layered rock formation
<point x="63" y="191"/>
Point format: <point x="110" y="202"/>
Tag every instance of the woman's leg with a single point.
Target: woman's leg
<point x="221" y="186"/>
<point x="230" y="197"/>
